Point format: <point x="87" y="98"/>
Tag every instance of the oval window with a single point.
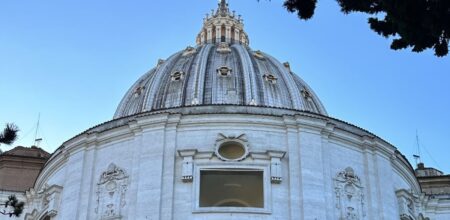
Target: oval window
<point x="231" y="150"/>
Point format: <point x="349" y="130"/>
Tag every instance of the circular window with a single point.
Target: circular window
<point x="232" y="151"/>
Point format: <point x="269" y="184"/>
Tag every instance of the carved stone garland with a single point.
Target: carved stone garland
<point x="349" y="195"/>
<point x="111" y="190"/>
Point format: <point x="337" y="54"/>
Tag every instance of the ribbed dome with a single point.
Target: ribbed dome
<point x="221" y="69"/>
<point x="211" y="74"/>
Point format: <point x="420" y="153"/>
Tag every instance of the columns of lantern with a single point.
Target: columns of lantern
<point x="202" y="37"/>
<point x="218" y="33"/>
<point x="222" y="31"/>
<point x="209" y="35"/>
<point x="228" y="33"/>
<point x="236" y="35"/>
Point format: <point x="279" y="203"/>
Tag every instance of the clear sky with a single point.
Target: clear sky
<point x="72" y="61"/>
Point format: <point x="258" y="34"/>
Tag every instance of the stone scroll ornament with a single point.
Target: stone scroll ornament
<point x="349" y="195"/>
<point x="111" y="191"/>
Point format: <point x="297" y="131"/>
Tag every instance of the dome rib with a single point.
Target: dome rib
<point x="199" y="74"/>
<point x="293" y="90"/>
<point x="156" y="82"/>
<point x="248" y="73"/>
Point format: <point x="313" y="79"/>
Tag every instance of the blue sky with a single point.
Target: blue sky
<point x="72" y="61"/>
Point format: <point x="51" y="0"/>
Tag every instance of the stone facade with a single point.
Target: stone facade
<point x="328" y="169"/>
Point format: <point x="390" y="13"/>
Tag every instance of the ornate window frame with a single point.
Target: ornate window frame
<point x="264" y="168"/>
<point x="240" y="140"/>
<point x="268" y="162"/>
<point x="224" y="71"/>
<point x="177" y="76"/>
<point x="270" y="78"/>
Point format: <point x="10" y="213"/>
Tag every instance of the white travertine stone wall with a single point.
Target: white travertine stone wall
<point x="146" y="148"/>
<point x="311" y="168"/>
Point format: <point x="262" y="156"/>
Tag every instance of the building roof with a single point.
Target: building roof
<point x="20" y="166"/>
<point x="27" y="152"/>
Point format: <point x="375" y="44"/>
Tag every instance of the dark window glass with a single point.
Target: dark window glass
<point x="231" y="189"/>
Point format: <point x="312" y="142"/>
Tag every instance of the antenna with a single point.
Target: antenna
<point x="37" y="140"/>
<point x="418" y="146"/>
<point x="417" y="156"/>
<point x="416" y="159"/>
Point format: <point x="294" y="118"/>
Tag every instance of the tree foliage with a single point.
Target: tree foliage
<point x="12" y="207"/>
<point x="9" y="134"/>
<point x="419" y="24"/>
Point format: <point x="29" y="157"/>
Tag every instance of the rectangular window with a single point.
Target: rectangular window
<point x="231" y="188"/>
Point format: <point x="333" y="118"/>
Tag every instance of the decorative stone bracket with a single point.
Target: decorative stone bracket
<point x="188" y="165"/>
<point x="275" y="165"/>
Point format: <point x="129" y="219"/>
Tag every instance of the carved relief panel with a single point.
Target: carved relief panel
<point x="111" y="191"/>
<point x="349" y="195"/>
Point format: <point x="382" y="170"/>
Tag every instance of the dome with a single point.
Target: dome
<point x="220" y="70"/>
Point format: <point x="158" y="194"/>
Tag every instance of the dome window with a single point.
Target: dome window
<point x="270" y="78"/>
<point x="287" y="66"/>
<point x="258" y="54"/>
<point x="138" y="91"/>
<point x="188" y="51"/>
<point x="306" y="94"/>
<point x="160" y="62"/>
<point x="231" y="150"/>
<point x="177" y="76"/>
<point x="224" y="71"/>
